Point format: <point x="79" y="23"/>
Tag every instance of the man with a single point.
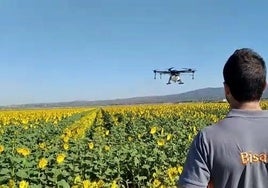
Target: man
<point x="234" y="152"/>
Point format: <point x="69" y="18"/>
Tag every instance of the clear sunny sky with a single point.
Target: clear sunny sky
<point x="66" y="50"/>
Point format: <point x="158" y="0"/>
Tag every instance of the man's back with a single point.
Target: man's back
<point x="233" y="153"/>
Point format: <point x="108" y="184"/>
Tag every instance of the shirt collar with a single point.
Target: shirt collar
<point x="247" y="113"/>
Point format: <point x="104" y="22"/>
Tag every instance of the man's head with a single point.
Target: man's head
<point x="245" y="75"/>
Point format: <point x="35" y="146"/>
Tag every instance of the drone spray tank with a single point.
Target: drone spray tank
<point x="175" y="78"/>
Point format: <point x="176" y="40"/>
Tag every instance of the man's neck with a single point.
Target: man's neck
<point x="254" y="105"/>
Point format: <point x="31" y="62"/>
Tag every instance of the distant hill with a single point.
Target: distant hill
<point x="205" y="94"/>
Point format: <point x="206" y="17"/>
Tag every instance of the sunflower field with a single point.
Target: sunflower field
<point x="111" y="146"/>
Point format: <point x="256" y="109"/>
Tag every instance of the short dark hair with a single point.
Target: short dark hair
<point x="245" y="74"/>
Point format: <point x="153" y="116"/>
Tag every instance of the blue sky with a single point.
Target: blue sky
<point x="66" y="50"/>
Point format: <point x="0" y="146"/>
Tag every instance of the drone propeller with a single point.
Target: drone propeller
<point x="169" y="69"/>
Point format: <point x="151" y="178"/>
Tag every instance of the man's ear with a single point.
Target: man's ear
<point x="226" y="89"/>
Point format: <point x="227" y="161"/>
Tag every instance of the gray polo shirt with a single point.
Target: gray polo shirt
<point x="232" y="153"/>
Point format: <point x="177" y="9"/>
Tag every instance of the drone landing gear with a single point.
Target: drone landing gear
<point x="181" y="82"/>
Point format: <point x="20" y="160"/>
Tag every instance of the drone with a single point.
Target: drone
<point x="174" y="75"/>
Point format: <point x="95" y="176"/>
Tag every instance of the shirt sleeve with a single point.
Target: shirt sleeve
<point x="196" y="173"/>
